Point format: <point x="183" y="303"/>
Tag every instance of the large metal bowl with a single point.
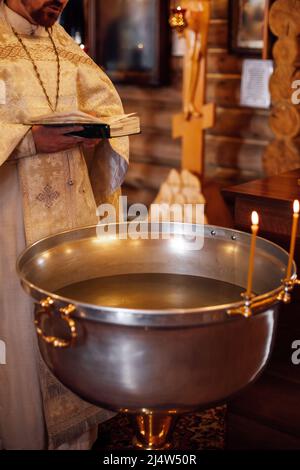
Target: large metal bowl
<point x="156" y="360"/>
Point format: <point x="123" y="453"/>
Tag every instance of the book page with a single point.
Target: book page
<point x="78" y="117"/>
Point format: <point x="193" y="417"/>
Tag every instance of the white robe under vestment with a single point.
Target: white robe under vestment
<point x="41" y="195"/>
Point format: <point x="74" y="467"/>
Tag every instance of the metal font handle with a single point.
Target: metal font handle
<point x="46" y="307"/>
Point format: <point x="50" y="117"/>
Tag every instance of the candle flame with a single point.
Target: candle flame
<point x="254" y="218"/>
<point x="296" y="207"/>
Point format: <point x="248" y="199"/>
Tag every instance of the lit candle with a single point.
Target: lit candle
<point x="254" y="228"/>
<point x="293" y="238"/>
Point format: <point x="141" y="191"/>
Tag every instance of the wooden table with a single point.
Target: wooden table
<point x="272" y="198"/>
<point x="267" y="414"/>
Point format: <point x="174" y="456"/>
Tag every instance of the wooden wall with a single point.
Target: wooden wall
<point x="234" y="147"/>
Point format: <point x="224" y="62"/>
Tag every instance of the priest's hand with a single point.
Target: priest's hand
<point x="53" y="139"/>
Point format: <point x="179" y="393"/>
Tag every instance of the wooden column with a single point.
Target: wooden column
<point x="283" y="153"/>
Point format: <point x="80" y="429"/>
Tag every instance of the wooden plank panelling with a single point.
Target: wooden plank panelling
<point x="219" y="61"/>
<point x="162" y="95"/>
<point x="223" y="152"/>
<point x="260" y="400"/>
<point x="223" y="90"/>
<point x="218" y="33"/>
<point x="147" y="175"/>
<point x="233" y="153"/>
<point x="220" y="9"/>
<point x="155" y="148"/>
<point x="231" y="122"/>
<point x="245" y="123"/>
<point x="254" y="432"/>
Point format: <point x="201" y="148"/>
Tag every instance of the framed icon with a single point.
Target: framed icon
<point x="133" y="40"/>
<point x="247" y="26"/>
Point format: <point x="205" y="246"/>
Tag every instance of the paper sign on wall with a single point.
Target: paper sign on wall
<point x="256" y="75"/>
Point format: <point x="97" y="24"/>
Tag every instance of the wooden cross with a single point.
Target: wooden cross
<point x="196" y="116"/>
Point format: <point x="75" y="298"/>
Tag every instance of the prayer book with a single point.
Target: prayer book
<point x="93" y="127"/>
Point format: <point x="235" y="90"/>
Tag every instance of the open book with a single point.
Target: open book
<point x="104" y="127"/>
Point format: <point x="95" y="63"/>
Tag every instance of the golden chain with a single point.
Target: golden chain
<point x="53" y="109"/>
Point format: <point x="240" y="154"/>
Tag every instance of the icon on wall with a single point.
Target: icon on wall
<point x="133" y="40"/>
<point x="247" y="23"/>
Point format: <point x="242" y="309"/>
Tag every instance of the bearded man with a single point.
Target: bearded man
<point x="48" y="184"/>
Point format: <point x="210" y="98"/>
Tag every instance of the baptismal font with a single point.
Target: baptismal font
<point x="182" y="338"/>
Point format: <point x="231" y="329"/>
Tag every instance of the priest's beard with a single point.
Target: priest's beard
<point x="44" y="16"/>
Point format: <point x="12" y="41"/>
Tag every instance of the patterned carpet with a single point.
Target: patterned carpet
<point x="197" y="431"/>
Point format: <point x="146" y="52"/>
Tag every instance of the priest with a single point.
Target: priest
<point x="49" y="182"/>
